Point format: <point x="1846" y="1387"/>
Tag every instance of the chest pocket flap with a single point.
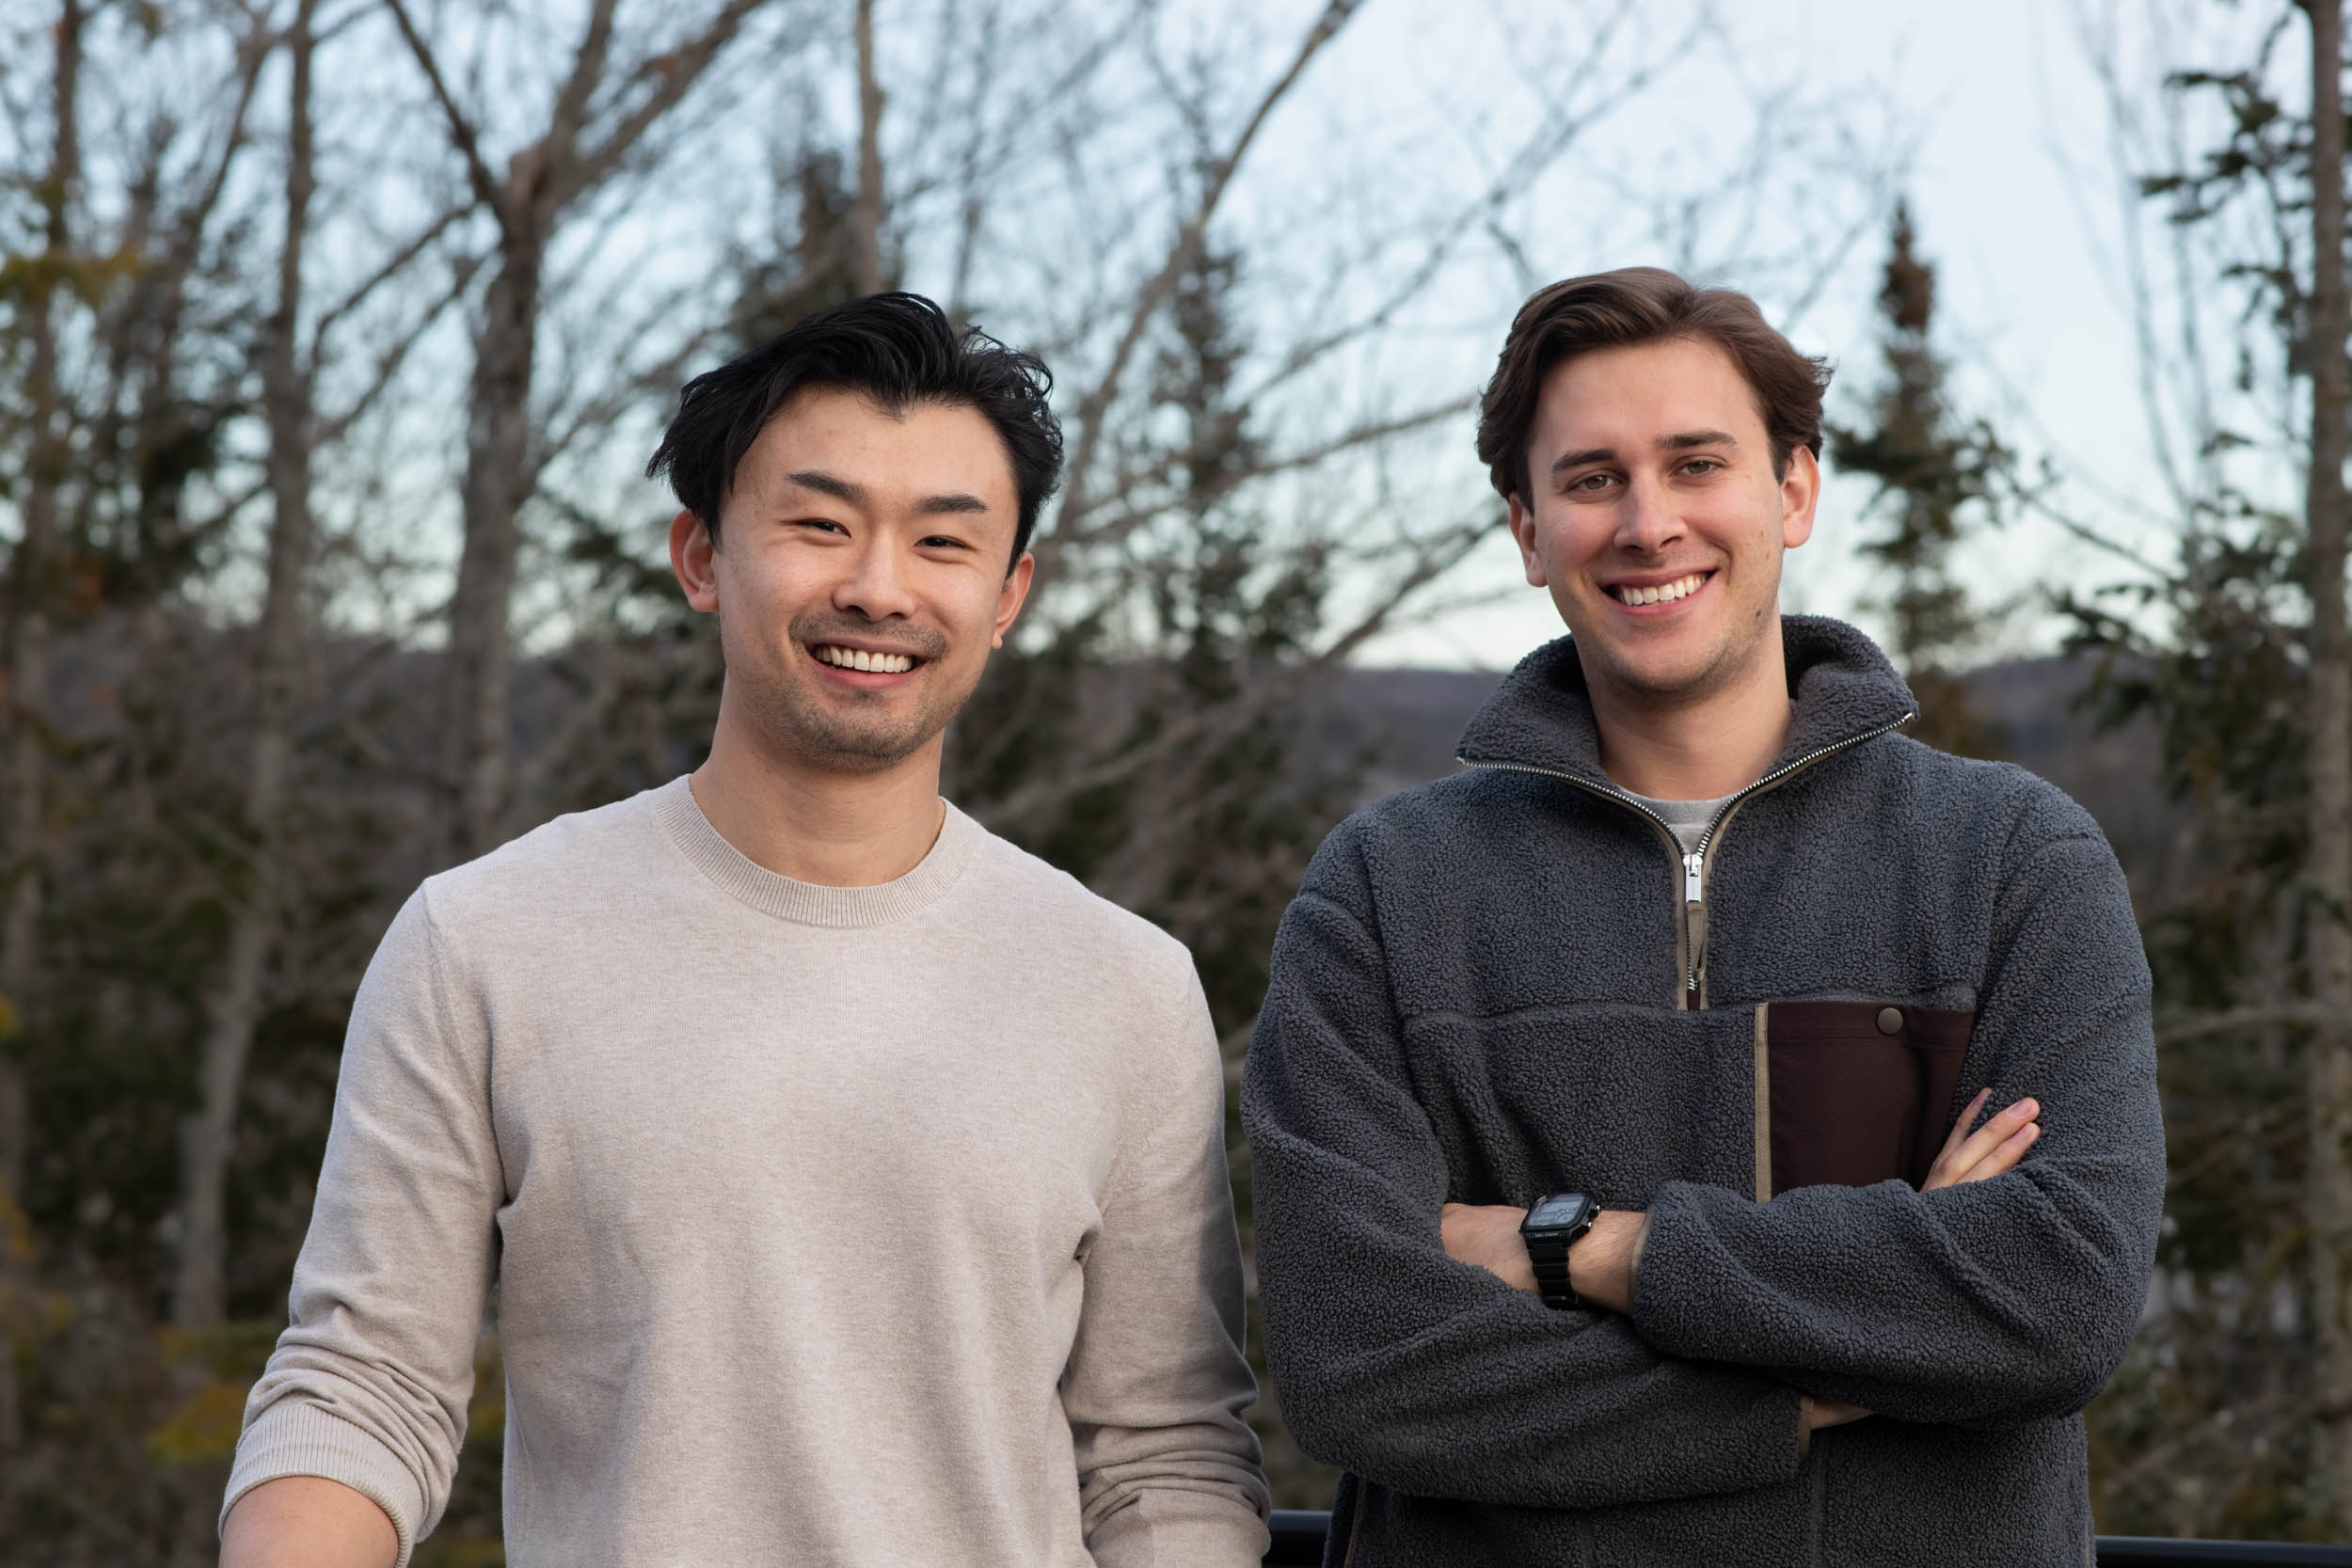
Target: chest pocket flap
<point x="1856" y="1092"/>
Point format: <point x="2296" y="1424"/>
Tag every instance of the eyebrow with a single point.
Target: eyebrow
<point x="1680" y="441"/>
<point x="855" y="494"/>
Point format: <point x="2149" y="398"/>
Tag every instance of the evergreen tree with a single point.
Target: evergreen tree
<point x="1209" y="627"/>
<point x="1937" y="475"/>
<point x="817" y="261"/>
<point x="2234" y="1415"/>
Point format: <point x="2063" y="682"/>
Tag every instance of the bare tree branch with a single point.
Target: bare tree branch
<point x="569" y="114"/>
<point x="869" y="165"/>
<point x="675" y="72"/>
<point x="1096" y="403"/>
<point x="2196" y="1026"/>
<point x="393" y="266"/>
<point x="487" y="188"/>
<point x="1038" y="798"/>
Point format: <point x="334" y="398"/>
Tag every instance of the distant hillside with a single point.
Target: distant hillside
<point x="1388" y="729"/>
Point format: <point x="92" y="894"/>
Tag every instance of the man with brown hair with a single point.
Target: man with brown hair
<point x="1620" y="1191"/>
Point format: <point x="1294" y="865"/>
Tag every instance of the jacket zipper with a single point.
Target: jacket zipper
<point x="1691" y="920"/>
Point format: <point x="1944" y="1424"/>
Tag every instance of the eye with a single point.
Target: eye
<point x="1702" y="465"/>
<point x="822" y="524"/>
<point x="1592" y="483"/>
<point x="942" y="542"/>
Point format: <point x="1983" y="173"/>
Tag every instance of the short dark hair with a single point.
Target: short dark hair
<point x="1643" y="305"/>
<point x="895" y="349"/>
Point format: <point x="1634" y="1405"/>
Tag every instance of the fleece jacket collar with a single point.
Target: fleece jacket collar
<point x="1541" y="717"/>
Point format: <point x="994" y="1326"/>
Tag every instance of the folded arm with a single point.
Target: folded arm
<point x="1404" y="1365"/>
<point x="1603" y="1263"/>
<point x="1990" y="1303"/>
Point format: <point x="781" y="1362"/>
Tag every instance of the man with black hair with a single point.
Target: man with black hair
<point x="1620" y="1192"/>
<point x="853" y="1184"/>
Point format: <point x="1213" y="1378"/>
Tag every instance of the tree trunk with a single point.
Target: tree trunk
<point x="541" y="182"/>
<point x="2330" y="1180"/>
<point x="474" y="737"/>
<point x="869" y="165"/>
<point x="207" y="1136"/>
<point x="27" y="692"/>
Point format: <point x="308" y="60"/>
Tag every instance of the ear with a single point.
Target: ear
<point x="1800" y="493"/>
<point x="694" y="560"/>
<point x="1522" y="525"/>
<point x="1012" y="596"/>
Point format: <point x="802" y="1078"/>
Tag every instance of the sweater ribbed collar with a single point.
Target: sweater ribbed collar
<point x="1542" y="716"/>
<point x="747" y="882"/>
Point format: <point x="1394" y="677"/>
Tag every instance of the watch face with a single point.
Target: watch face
<point x="1560" y="1209"/>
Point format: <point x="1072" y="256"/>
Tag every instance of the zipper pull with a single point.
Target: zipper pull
<point x="1694" y="923"/>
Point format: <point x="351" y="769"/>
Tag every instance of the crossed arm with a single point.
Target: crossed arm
<point x="1601" y="1266"/>
<point x="1999" y="1300"/>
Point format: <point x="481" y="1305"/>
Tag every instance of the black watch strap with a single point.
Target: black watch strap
<point x="1553" y="1225"/>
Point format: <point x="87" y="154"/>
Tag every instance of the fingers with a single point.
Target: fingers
<point x="1961" y="1126"/>
<point x="1948" y="1158"/>
<point x="2005" y="1157"/>
<point x="1991" y="1150"/>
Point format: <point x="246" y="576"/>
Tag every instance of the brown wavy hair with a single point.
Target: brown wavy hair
<point x="1643" y="305"/>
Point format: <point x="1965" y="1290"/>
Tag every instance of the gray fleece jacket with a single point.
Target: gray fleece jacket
<point x="1514" y="982"/>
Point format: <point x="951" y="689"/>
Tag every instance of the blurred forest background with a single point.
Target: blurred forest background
<point x="333" y="335"/>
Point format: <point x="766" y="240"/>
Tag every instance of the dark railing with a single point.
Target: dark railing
<point x="1298" y="1541"/>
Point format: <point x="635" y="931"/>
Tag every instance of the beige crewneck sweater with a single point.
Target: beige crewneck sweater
<point x="828" y="1225"/>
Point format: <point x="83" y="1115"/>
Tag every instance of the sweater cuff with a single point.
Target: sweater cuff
<point x="1633" y="1262"/>
<point x="1180" y="1531"/>
<point x="292" y="1438"/>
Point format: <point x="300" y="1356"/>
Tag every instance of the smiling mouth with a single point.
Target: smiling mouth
<point x="864" y="659"/>
<point x="1663" y="593"/>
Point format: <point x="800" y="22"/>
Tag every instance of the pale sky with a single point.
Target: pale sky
<point x="1998" y="94"/>
<point x="1993" y="108"/>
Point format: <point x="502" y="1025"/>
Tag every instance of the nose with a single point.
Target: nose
<point x="1647" y="521"/>
<point x="876" y="585"/>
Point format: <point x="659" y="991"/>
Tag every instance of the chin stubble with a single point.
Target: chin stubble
<point x="1723" y="670"/>
<point x="862" y="736"/>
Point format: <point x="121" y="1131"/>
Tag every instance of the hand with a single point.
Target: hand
<point x="1486" y="1236"/>
<point x="1991" y="1150"/>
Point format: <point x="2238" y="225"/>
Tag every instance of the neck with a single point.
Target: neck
<point x="1695" y="748"/>
<point x="815" y="824"/>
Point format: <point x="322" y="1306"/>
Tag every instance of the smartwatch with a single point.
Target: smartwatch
<point x="1553" y="1225"/>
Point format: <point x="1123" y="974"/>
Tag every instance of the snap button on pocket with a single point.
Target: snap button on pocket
<point x="1859" y="1092"/>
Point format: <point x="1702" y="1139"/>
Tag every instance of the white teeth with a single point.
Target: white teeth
<point x="861" y="658"/>
<point x="1664" y="592"/>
